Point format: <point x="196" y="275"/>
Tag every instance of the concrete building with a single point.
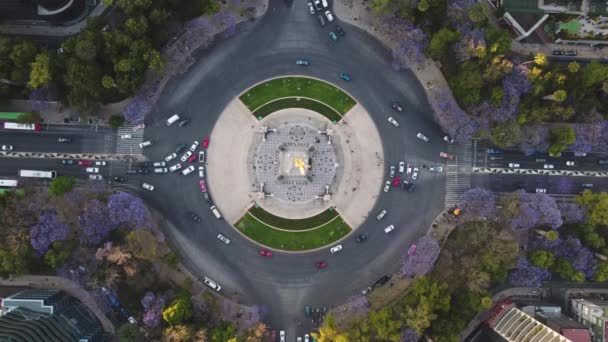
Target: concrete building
<point x="593" y="314"/>
<point x="46" y="315"/>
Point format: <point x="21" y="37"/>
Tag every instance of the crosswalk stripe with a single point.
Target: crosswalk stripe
<point x="458" y="172"/>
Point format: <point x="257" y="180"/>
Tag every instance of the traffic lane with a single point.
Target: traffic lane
<point x="554" y="185"/>
<point x="47" y="141"/>
<point x="9" y="167"/>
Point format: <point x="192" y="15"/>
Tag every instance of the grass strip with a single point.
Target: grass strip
<point x="293" y="224"/>
<point x="294" y="102"/>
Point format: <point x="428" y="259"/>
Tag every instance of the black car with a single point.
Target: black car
<point x="120" y="179"/>
<point x="142" y="171"/>
<point x="183" y="122"/>
<point x="64" y="140"/>
<point x="385" y="278"/>
<point x="145" y="164"/>
<point x="603" y="161"/>
<point x="339" y="30"/>
<point x="397" y="106"/>
<point x="131" y="172"/>
<point x="559" y="52"/>
<point x="180" y="148"/>
<point x="67" y="162"/>
<point x="408" y="186"/>
<point x="361" y="238"/>
<point x="194" y="217"/>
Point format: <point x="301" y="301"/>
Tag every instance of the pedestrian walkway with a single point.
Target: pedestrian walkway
<point x="458" y="172"/>
<point x="129" y="146"/>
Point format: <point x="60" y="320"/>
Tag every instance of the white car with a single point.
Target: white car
<point x="96" y="177"/>
<point x="212" y="284"/>
<point x="145" y="144"/>
<point x="448" y="139"/>
<point x="415" y="173"/>
<point x="548" y="166"/>
<point x="335" y="249"/>
<point x="159" y="164"/>
<point x="381" y="214"/>
<point x="186" y="156"/>
<point x="325" y="4"/>
<point x="201" y="156"/>
<point x="389" y="229"/>
<point x="392" y="172"/>
<point x="160" y="170"/>
<point x="401" y="166"/>
<point x="393" y="121"/>
<point x="330" y="17"/>
<point x="306" y="336"/>
<point x="409" y="169"/>
<point x="223" y="238"/>
<point x="125" y="136"/>
<point x="311" y="8"/>
<point x="571" y="163"/>
<point x="541" y="191"/>
<point x="194" y="146"/>
<point x="387" y="186"/>
<point x="171" y="157"/>
<point x="188" y="170"/>
<point x="101" y="163"/>
<point x="175" y="167"/>
<point x="513" y="165"/>
<point x="148" y="186"/>
<point x="7" y="147"/>
<point x="282" y="335"/>
<point x="436" y="169"/>
<point x="201" y="171"/>
<point x="92" y="170"/>
<point x="422" y="137"/>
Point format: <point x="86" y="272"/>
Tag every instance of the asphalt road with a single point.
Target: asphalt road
<point x="85" y="139"/>
<point x="268" y="48"/>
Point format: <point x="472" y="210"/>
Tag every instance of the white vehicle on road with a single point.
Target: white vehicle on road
<point x="401" y="166"/>
<point x="335" y="249"/>
<point x="92" y="170"/>
<point x="171" y="157"/>
<point x="330" y="17"/>
<point x="159" y="164"/>
<point x="393" y="121"/>
<point x="436" y="169"/>
<point x="387" y="186"/>
<point x="392" y="171"/>
<point x="148" y="186"/>
<point x="212" y="284"/>
<point x="160" y="170"/>
<point x="381" y="214"/>
<point x="194" y="146"/>
<point x="188" y="170"/>
<point x="96" y="177"/>
<point x="389" y="229"/>
<point x="201" y="171"/>
<point x="7" y="147"/>
<point x="422" y="137"/>
<point x="125" y="136"/>
<point x="311" y="8"/>
<point x="548" y="166"/>
<point x="186" y="156"/>
<point x="415" y="173"/>
<point x="409" y="169"/>
<point x="513" y="165"/>
<point x="571" y="163"/>
<point x="101" y="163"/>
<point x="175" y="167"/>
<point x="145" y="144"/>
<point x="223" y="238"/>
<point x="541" y="191"/>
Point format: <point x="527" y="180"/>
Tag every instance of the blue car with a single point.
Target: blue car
<point x="333" y="36"/>
<point x="303" y="62"/>
<point x="345" y="77"/>
<point x="493" y="151"/>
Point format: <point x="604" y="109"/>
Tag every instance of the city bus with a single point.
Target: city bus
<point x="22" y="127"/>
<point x="8" y="183"/>
<point x="12" y="116"/>
<point x="37" y="174"/>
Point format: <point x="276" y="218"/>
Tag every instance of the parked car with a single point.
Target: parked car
<point x="193" y="216"/>
<point x="186" y="156"/>
<point x="201" y="156"/>
<point x="448" y="139"/>
<point x="7" y="147"/>
<point x="92" y="170"/>
<point x="381" y="214"/>
<point x="401" y="166"/>
<point x="67" y="162"/>
<point x="311" y="8"/>
<point x="397" y="181"/>
<point x="415" y="173"/>
<point x="603" y="162"/>
<point x="446" y="155"/>
<point x="192" y="158"/>
<point x="392" y="171"/>
<point x="513" y="165"/>
<point x="203" y="185"/>
<point x="387" y="186"/>
<point x="409" y="186"/>
<point x="318" y="5"/>
<point x="389" y="229"/>
<point x="321" y="19"/>
<point x="382" y="280"/>
<point x="436" y="169"/>
<point x="148" y="186"/>
<point x="397" y="106"/>
<point x="409" y="169"/>
<point x="201" y="171"/>
<point x="188" y="170"/>
<point x="212" y="284"/>
<point x="329" y="16"/>
<point x="84" y="163"/>
<point x="160" y="170"/>
<point x="422" y="137"/>
<point x="183" y="122"/>
<point x="171" y="157"/>
<point x="335" y="249"/>
<point x="194" y="146"/>
<point x="180" y="148"/>
<point x="175" y="167"/>
<point x="205" y="142"/>
<point x="393" y="121"/>
<point x="223" y="238"/>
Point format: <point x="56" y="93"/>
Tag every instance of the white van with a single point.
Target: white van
<point x="145" y="144"/>
<point x="216" y="212"/>
<point x="172" y="120"/>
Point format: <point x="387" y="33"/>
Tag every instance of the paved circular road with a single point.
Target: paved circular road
<point x="268" y="48"/>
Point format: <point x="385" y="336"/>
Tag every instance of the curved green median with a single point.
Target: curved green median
<point x="291" y="224"/>
<point x="297" y="102"/>
<point x="293" y="240"/>
<point x="278" y="88"/>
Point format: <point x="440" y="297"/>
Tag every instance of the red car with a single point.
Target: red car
<point x="266" y="253"/>
<point x="320" y="264"/>
<point x="192" y="158"/>
<point x="274" y="336"/>
<point x="206" y="142"/>
<point x="397" y="181"/>
<point x="203" y="185"/>
<point x="84" y="162"/>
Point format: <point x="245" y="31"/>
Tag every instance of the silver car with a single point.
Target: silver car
<point x="223" y="238"/>
<point x="387" y="186"/>
<point x="171" y="157"/>
<point x="422" y="137"/>
<point x="186" y="156"/>
<point x="392" y="172"/>
<point x="415" y="173"/>
<point x="393" y="121"/>
<point x="381" y="214"/>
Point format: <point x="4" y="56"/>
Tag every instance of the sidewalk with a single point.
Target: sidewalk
<point x="66" y="285"/>
<point x="51" y="30"/>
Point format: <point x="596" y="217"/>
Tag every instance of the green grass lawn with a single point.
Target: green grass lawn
<point x="290" y="224"/>
<point x="297" y="86"/>
<point x="292" y="241"/>
<point x="294" y="102"/>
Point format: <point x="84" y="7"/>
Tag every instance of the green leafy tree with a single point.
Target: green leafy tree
<point x="107" y="3"/>
<point x="564" y="268"/>
<point x="594" y="74"/>
<point x="328" y="332"/>
<point x="506" y="134"/>
<point x="574" y="67"/>
<point x="137" y="26"/>
<point x="552" y="235"/>
<point x="178" y="333"/>
<point x="40" y="74"/>
<point x="83" y="82"/>
<point x="223" y="332"/>
<point x="467" y="83"/>
<point x="596" y="205"/>
<point x="498" y="41"/>
<point x="134" y="7"/>
<point x="180" y="310"/>
<point x="29" y="118"/>
<point x="496" y="96"/>
<point x="59" y="253"/>
<point x="62" y="184"/>
<point x="130" y="333"/>
<point x="479" y="14"/>
<point x="423" y="6"/>
<point x="601" y="272"/>
<point x="439" y="42"/>
<point x="384" y="326"/>
<point x="157" y="63"/>
<point x="85" y="49"/>
<point x="210" y="7"/>
<point x="381" y="6"/>
<point x="542" y="259"/>
<point x="116" y="121"/>
<point x="419" y="318"/>
<point x="108" y="82"/>
<point x="559" y="95"/>
<point x="16" y="261"/>
<point x="560" y="138"/>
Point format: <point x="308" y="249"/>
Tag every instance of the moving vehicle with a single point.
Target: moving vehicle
<point x="193" y="216"/>
<point x="389" y="229"/>
<point x="265" y="253"/>
<point x="188" y="170"/>
<point x="160" y="170"/>
<point x="345" y="77"/>
<point x="96" y="177"/>
<point x="446" y="156"/>
<point x="393" y="121"/>
<point x="541" y="191"/>
<point x="171" y="157"/>
<point x="215" y="212"/>
<point x="401" y="166"/>
<point x="183" y="122"/>
<point x="159" y="164"/>
<point x="148" y="186"/>
<point x="571" y="163"/>
<point x="493" y="151"/>
<point x="603" y="162"/>
<point x="320" y="264"/>
<point x="513" y="165"/>
<point x="125" y="136"/>
<point x="7" y="147"/>
<point x="448" y="139"/>
<point x="387" y="186"/>
<point x="548" y="166"/>
<point x="340" y="31"/>
<point x="223" y="239"/>
<point x="120" y="179"/>
<point x="361" y="238"/>
<point x="8" y="183"/>
<point x="436" y="169"/>
<point x="67" y="162"/>
<point x="92" y="170"/>
<point x="307" y="310"/>
<point x="22" y="127"/>
<point x="329" y="16"/>
<point x="415" y="173"/>
<point x="173" y="119"/>
<point x="321" y="19"/>
<point x="145" y="144"/>
<point x="335" y="249"/>
<point x="381" y="214"/>
<point x="282" y="335"/>
<point x="64" y="140"/>
<point x="84" y="163"/>
<point x="422" y="137"/>
<point x="397" y="106"/>
<point x="392" y="171"/>
<point x="101" y="163"/>
<point x="212" y="284"/>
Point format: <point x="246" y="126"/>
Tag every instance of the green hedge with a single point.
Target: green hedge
<point x="294" y="102"/>
<point x="291" y="224"/>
